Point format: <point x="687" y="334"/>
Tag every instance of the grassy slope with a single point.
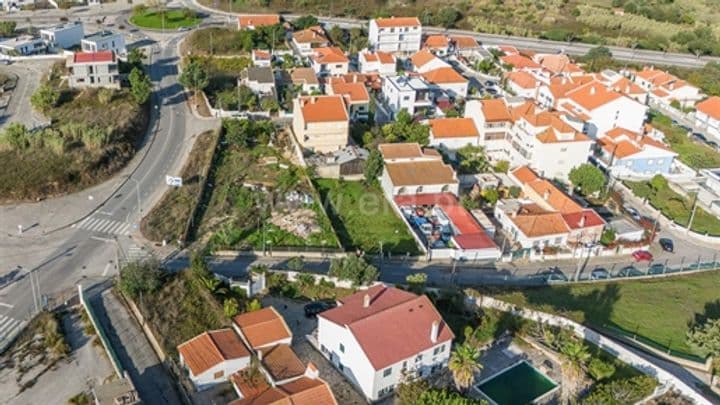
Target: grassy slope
<point x="693" y="154"/>
<point x="173" y="19"/>
<point x="362" y="217"/>
<point x="659" y="310"/>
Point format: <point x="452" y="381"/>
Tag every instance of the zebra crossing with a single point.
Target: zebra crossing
<point x="8" y="328"/>
<point x="102" y="225"/>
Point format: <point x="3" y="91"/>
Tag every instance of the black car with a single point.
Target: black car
<point x="317" y="307"/>
<point x="699" y="137"/>
<point x="666" y="244"/>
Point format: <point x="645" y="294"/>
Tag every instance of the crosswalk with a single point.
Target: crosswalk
<point x="102" y="225"/>
<point x="8" y="328"/>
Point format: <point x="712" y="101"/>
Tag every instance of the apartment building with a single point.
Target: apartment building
<point x="383" y="63"/>
<point x="63" y="36"/>
<point x="395" y="34"/>
<point x="93" y="69"/>
<point x="406" y="93"/>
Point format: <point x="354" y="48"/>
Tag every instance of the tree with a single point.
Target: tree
<point x="253" y="305"/>
<point x="231" y="307"/>
<point x="138" y="278"/>
<point x="658" y="183"/>
<point x="373" y="166"/>
<point x="598" y="59"/>
<point x="304" y="22"/>
<point x="445" y="397"/>
<point x="608" y="237"/>
<point x="447" y="17"/>
<point x="626" y="391"/>
<point x="15" y="136"/>
<point x="136" y="56"/>
<point x="472" y="159"/>
<point x="587" y="179"/>
<point x="485" y="65"/>
<point x="464" y="365"/>
<point x="600" y="370"/>
<point x="416" y="282"/>
<point x="296" y="264"/>
<point x="410" y="389"/>
<point x="7" y="28"/>
<point x="404" y="129"/>
<point x="354" y="269"/>
<point x="44" y="98"/>
<point x="490" y="195"/>
<point x="269" y="104"/>
<point x="140" y="86"/>
<point x="502" y="166"/>
<point x="194" y="77"/>
<point x="706" y="337"/>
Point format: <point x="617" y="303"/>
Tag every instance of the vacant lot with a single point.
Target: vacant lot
<point x="171" y="19"/>
<point x="363" y="218"/>
<point x="658" y="310"/>
<point x="222" y="90"/>
<point x="693" y="154"/>
<point x="226" y="41"/>
<point x="169" y="218"/>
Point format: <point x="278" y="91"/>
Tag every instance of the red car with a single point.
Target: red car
<point x="642" y="256"/>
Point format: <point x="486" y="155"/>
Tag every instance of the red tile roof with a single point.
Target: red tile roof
<point x="281" y="362"/>
<point x="262" y="327"/>
<point x="400" y="150"/>
<point x="422" y="57"/>
<point x="397" y="22"/>
<point x="520" y="62"/>
<point x="453" y="128"/>
<point x="586" y="218"/>
<point x="711" y="107"/>
<point x="353" y="92"/>
<point x="495" y="110"/>
<point x="464" y="42"/>
<point x="303" y="391"/>
<point x="436" y="41"/>
<point x="395" y="326"/>
<point x="593" y="95"/>
<point x="210" y="349"/>
<point x="444" y="75"/>
<point x="331" y="54"/>
<point x="311" y="35"/>
<point x="379" y="56"/>
<point x="258" y="20"/>
<point x="323" y="109"/>
<point x="94" y="57"/>
<point x="523" y="79"/>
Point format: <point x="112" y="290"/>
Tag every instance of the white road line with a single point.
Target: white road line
<point x="107" y="267"/>
<point x="105" y="226"/>
<point x="6" y="324"/>
<point x="125" y="229"/>
<point x="90" y="224"/>
<point x="112" y="227"/>
<point x="6" y="305"/>
<point x="11" y="326"/>
<point x="118" y="228"/>
<point x="85" y="222"/>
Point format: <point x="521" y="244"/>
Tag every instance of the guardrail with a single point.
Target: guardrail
<point x="101" y="334"/>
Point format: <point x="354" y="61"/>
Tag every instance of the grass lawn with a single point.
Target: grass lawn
<point x="658" y="310"/>
<point x="173" y="19"/>
<point x="693" y="154"/>
<point x="362" y="217"/>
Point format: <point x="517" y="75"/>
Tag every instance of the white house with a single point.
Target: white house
<point x="424" y="61"/>
<point x="105" y="41"/>
<point x="437" y="44"/>
<point x="63" y="36"/>
<point x="356" y="97"/>
<point x="329" y="61"/>
<point x="304" y="77"/>
<point x="321" y="123"/>
<point x="261" y="58"/>
<point x="493" y="121"/>
<point x="466" y="46"/>
<point x="212" y="357"/>
<point x="307" y="40"/>
<point x="263" y="328"/>
<point x="628" y="153"/>
<point x="310" y="389"/>
<point x="260" y="80"/>
<point x="665" y="88"/>
<point x="522" y="84"/>
<point x="448" y="81"/>
<point x="383" y="63"/>
<point x="22" y="46"/>
<point x="453" y="133"/>
<point x="707" y="115"/>
<point x="395" y="34"/>
<point x="376" y="335"/>
<point x="93" y="69"/>
<point x="406" y="93"/>
<point x="411" y="170"/>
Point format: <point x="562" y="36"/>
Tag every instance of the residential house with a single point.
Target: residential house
<point x="411" y="170"/>
<point x="520" y="62"/>
<point x="626" y="87"/>
<point x="557" y="65"/>
<point x="63" y="36"/>
<point x="451" y="134"/>
<point x="253" y="21"/>
<point x="448" y="81"/>
<point x="522" y="84"/>
<point x="395" y="34"/>
<point x="465" y="45"/>
<point x="550" y="94"/>
<point x="307" y="40"/>
<point x="406" y="93"/>
<point x="708" y="193"/>
<point x="212" y="357"/>
<point x="22" y="46"/>
<point x="424" y="61"/>
<point x="376" y="336"/>
<point x="254" y="389"/>
<point x="628" y="153"/>
<point x="262" y="329"/>
<point x="438" y="45"/>
<point x="321" y="123"/>
<point x="383" y="63"/>
<point x="665" y="88"/>
<point x="260" y="80"/>
<point x="104" y="41"/>
<point x="93" y="69"/>
<point x="493" y="121"/>
<point x="707" y="115"/>
<point x="530" y="226"/>
<point x="329" y="61"/>
<point x="261" y="58"/>
<point x="356" y="97"/>
<point x="305" y="79"/>
<point x="347" y="163"/>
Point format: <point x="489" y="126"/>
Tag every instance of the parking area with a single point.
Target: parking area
<point x="292" y="311"/>
<point x="30" y="74"/>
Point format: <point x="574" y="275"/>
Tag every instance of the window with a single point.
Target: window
<point x="418" y="358"/>
<point x="650" y="162"/>
<point x="342" y="348"/>
<point x="218" y="374"/>
<point x="338" y="66"/>
<point x="563" y="149"/>
<point x="406" y="98"/>
<point x="404" y="366"/>
<point x="442" y="348"/>
<point x="436" y="351"/>
<point x="387" y="372"/>
<point x="558" y="240"/>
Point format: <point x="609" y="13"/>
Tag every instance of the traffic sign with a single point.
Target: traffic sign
<point x="173" y="181"/>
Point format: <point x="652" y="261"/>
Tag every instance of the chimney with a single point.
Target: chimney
<point x="259" y="355"/>
<point x="313" y="99"/>
<point x="355" y="78"/>
<point x="563" y="80"/>
<point x="434" y="329"/>
<point x="582" y="221"/>
<point x="627" y="89"/>
<point x="311" y="371"/>
<point x="592" y="90"/>
<point x="366" y="301"/>
<point x="546" y="195"/>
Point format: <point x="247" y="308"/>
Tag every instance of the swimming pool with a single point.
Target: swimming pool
<point x="518" y="384"/>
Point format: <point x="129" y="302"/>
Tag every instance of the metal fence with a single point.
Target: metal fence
<point x="612" y="329"/>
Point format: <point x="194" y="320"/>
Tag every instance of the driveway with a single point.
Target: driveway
<point x="30" y="74"/>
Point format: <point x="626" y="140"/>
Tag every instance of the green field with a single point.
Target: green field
<point x="171" y="19"/>
<point x="657" y="310"/>
<point x="693" y="154"/>
<point x="363" y="218"/>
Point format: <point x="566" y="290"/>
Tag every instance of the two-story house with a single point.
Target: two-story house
<point x="448" y="81"/>
<point x="383" y="63"/>
<point x="329" y="61"/>
<point x="253" y="21"/>
<point x="411" y="170"/>
<point x="424" y="61"/>
<point x="707" y="115"/>
<point x="212" y="357"/>
<point x="63" y="36"/>
<point x="666" y="88"/>
<point x="104" y="41"/>
<point x="304" y="78"/>
<point x="375" y="336"/>
<point x="628" y="153"/>
<point x="321" y="123"/>
<point x="406" y="93"/>
<point x="93" y="69"/>
<point x="305" y="41"/>
<point x="356" y="97"/>
<point x="261" y="58"/>
<point x="395" y="34"/>
<point x="493" y="121"/>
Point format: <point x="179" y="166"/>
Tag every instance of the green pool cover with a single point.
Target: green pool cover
<point x="520" y="384"/>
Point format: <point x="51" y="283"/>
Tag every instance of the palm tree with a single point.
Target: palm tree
<point x="576" y="354"/>
<point x="464" y="365"/>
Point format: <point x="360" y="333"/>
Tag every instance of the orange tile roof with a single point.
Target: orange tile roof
<point x="379" y="56"/>
<point x="520" y="62"/>
<point x="550" y="135"/>
<point x="422" y="57"/>
<point x="420" y="173"/>
<point x="397" y="22"/>
<point x="302" y="391"/>
<point x="262" y="327"/>
<point x="648" y="73"/>
<point x="354" y="92"/>
<point x="625" y="86"/>
<point x="444" y="75"/>
<point x="555" y="197"/>
<point x="261" y="55"/>
<point x="410" y="316"/>
<point x="660" y="92"/>
<point x="453" y="128"/>
<point x="281" y="362"/>
<point x="508" y="50"/>
<point x="524" y="174"/>
<point x="495" y="110"/>
<point x="535" y="225"/>
<point x="573" y="111"/>
<point x="400" y="150"/>
<point x="522" y="79"/>
<point x="464" y="42"/>
<point x="311" y="35"/>
<point x="308" y="391"/>
<point x="258" y="20"/>
<point x="331" y="54"/>
<point x="558" y="63"/>
<point x="622" y="142"/>
<point x="620" y="149"/>
<point x="593" y="95"/>
<point x="249" y="384"/>
<point x="710" y="107"/>
<point x="586" y="218"/>
<point x="94" y="57"/>
<point x="210" y="349"/>
<point x="303" y="75"/>
<point x="323" y="109"/>
<point x="436" y="41"/>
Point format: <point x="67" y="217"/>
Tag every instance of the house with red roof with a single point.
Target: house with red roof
<point x="252" y="21"/>
<point x="329" y="61"/>
<point x="307" y="40"/>
<point x="212" y="357"/>
<point x="453" y="133"/>
<point x="356" y="97"/>
<point x="383" y="63"/>
<point x="321" y="123"/>
<point x="438" y="44"/>
<point x="665" y="88"/>
<point x="522" y="83"/>
<point x="93" y="69"/>
<point x="395" y="34"/>
<point x="447" y="81"/>
<point x="635" y="154"/>
<point x="425" y="61"/>
<point x="377" y="335"/>
<point x="707" y="115"/>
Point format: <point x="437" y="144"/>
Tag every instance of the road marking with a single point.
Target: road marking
<point x="107" y="267"/>
<point x="6" y="305"/>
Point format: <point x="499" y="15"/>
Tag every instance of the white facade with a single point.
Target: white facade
<point x="330" y="68"/>
<point x="93" y="74"/>
<point x="493" y="135"/>
<point x="527" y="242"/>
<point x="402" y="92"/>
<point x="391" y="189"/>
<point x="22" y="46"/>
<point x="383" y="36"/>
<point x="63" y="36"/>
<point x="622" y="112"/>
<point x="216" y="374"/>
<point x="708" y="122"/>
<point x="105" y="41"/>
<point x="372" y="63"/>
<point x="453" y="90"/>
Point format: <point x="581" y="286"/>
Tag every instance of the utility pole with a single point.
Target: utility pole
<point x="692" y="214"/>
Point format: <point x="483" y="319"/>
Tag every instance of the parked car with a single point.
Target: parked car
<point x="599" y="274"/>
<point x="632" y="212"/>
<point x="699" y="137"/>
<point x="553" y="274"/>
<point x="713" y="145"/>
<point x="642" y="256"/>
<point x="317" y="307"/>
<point x="667" y="245"/>
<point x="656" y="268"/>
<point x="629" y="271"/>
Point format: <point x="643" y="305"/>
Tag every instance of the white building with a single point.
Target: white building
<point x="665" y="88"/>
<point x="63" y="36"/>
<point x="329" y="61"/>
<point x="93" y="69"/>
<point x="493" y="121"/>
<point x="376" y="335"/>
<point x="437" y="44"/>
<point x="384" y="63"/>
<point x="307" y="40"/>
<point x="424" y="61"/>
<point x="522" y="84"/>
<point x="404" y="92"/>
<point x="453" y="133"/>
<point x="212" y="357"/>
<point x="305" y="79"/>
<point x="253" y="21"/>
<point x="105" y="41"/>
<point x="22" y="46"/>
<point x="411" y="170"/>
<point x="707" y="115"/>
<point x="321" y="123"/>
<point x="261" y="58"/>
<point x="395" y="34"/>
<point x="260" y="80"/>
<point x="356" y="97"/>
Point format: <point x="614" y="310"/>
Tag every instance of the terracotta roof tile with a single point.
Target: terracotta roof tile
<point x="303" y="75"/>
<point x="308" y="391"/>
<point x="422" y="57"/>
<point x="258" y="20"/>
<point x="331" y="54"/>
<point x="444" y="75"/>
<point x="261" y="55"/>
<point x="420" y="173"/>
<point x="311" y="35"/>
<point x="558" y="63"/>
<point x="436" y="41"/>
<point x="711" y="107"/>
<point x="354" y="92"/>
<point x="524" y="174"/>
<point x="397" y="22"/>
<point x="281" y="362"/>
<point x="554" y="196"/>
<point x="379" y="56"/>
<point x="323" y="109"/>
<point x="400" y="150"/>
<point x="210" y="349"/>
<point x="593" y="95"/>
<point x="520" y="62"/>
<point x="453" y="128"/>
<point x="625" y="86"/>
<point x="535" y="225"/>
<point x="262" y="327"/>
<point x="495" y="110"/>
<point x="464" y="42"/>
<point x="586" y="218"/>
<point x="522" y="78"/>
<point x="94" y="57"/>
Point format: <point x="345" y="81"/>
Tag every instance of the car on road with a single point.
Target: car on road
<point x="667" y="244"/>
<point x="656" y="268"/>
<point x="699" y="137"/>
<point x="642" y="256"/>
<point x="317" y="307"/>
<point x="599" y="274"/>
<point x="553" y="274"/>
<point x="632" y="212"/>
<point x="629" y="271"/>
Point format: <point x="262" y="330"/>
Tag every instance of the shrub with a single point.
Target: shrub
<point x="600" y="370"/>
<point x="626" y="391"/>
<point x="138" y="278"/>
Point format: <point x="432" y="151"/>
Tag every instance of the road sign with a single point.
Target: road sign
<point x="173" y="181"/>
